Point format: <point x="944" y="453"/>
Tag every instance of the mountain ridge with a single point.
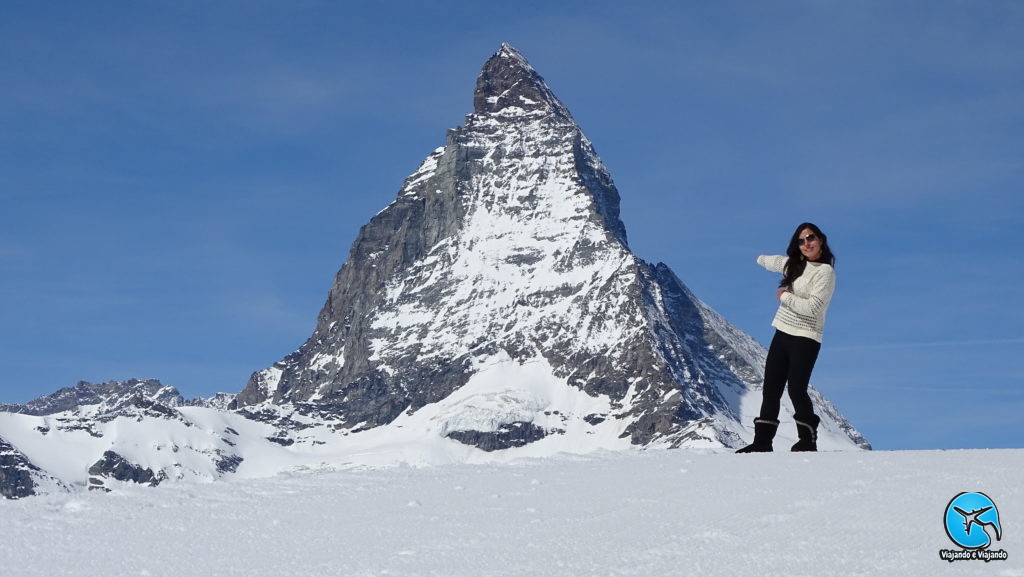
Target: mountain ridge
<point x="112" y="394"/>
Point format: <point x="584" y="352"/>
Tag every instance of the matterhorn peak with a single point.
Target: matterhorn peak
<point x="496" y="303"/>
<point x="509" y="83"/>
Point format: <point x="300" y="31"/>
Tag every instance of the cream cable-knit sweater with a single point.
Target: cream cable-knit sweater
<point x="802" y="312"/>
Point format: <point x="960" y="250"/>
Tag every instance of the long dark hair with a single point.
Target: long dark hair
<point x="796" y="264"/>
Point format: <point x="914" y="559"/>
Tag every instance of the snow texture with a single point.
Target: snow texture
<point x="651" y="513"/>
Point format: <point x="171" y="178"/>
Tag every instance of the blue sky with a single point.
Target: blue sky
<point x="181" y="180"/>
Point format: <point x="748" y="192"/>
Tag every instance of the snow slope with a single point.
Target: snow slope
<point x="193" y="444"/>
<point x="626" y="513"/>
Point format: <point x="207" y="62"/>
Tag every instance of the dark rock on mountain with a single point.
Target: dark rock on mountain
<point x="15" y="473"/>
<point x="114" y="466"/>
<point x="508" y="436"/>
<point x="228" y="464"/>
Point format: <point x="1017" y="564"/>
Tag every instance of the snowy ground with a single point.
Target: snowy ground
<point x="648" y="514"/>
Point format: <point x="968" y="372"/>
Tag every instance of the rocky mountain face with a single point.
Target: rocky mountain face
<point x="17" y="473"/>
<point x="494" y="308"/>
<point x="109" y="395"/>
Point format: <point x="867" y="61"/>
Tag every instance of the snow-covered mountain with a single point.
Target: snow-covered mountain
<point x="500" y="285"/>
<point x="135" y="431"/>
<point x="493" y="310"/>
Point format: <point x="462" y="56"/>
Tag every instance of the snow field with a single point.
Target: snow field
<point x="635" y="513"/>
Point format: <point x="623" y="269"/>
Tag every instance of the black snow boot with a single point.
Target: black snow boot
<point x="764" y="432"/>
<point x="808" y="433"/>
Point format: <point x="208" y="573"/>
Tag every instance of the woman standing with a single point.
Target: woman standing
<point x="804" y="294"/>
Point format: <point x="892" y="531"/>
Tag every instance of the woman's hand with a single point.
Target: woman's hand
<point x="778" y="294"/>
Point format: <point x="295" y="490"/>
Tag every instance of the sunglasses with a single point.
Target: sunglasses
<point x="809" y="238"/>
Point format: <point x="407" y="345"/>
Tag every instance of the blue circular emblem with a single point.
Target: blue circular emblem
<point x="972" y="521"/>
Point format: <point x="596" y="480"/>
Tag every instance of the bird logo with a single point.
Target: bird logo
<point x="972" y="520"/>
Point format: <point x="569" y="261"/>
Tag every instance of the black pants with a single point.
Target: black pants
<point x="790" y="359"/>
